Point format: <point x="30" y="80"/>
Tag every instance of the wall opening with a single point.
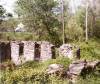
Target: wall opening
<point x="5" y="51"/>
<point x="8" y="51"/>
<point x="37" y="52"/>
<point x="21" y="49"/>
<point x="53" y="52"/>
<point x="2" y="52"/>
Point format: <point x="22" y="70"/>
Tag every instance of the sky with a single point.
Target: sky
<point x="9" y="5"/>
<point x="74" y="4"/>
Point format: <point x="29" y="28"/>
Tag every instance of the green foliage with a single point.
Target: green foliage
<point x="97" y="28"/>
<point x="2" y="12"/>
<point x="92" y="78"/>
<point x="5" y="36"/>
<point x="90" y="50"/>
<point x="8" y="25"/>
<point x="17" y="36"/>
<point x="39" y="18"/>
<point x="80" y="17"/>
<point x="6" y="21"/>
<point x="73" y="31"/>
<point x="33" y="73"/>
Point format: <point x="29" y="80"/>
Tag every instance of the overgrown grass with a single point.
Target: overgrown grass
<point x="33" y="73"/>
<point x="5" y="36"/>
<point x="90" y="50"/>
<point x="93" y="78"/>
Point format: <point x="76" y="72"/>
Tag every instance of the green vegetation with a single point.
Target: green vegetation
<point x="93" y="78"/>
<point x="4" y="36"/>
<point x="43" y="20"/>
<point x="33" y="73"/>
<point x="90" y="50"/>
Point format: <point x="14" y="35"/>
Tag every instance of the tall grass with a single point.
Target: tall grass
<point x="90" y="50"/>
<point x="33" y="73"/>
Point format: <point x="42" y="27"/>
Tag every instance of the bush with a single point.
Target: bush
<point x="93" y="78"/>
<point x="90" y="50"/>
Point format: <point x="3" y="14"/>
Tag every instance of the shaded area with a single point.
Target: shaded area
<point x="37" y="52"/>
<point x="5" y="51"/>
<point x="53" y="52"/>
<point x="21" y="49"/>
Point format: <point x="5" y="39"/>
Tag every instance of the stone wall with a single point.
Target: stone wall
<point x="46" y="52"/>
<point x="15" y="52"/>
<point x="38" y="51"/>
<point x="26" y="54"/>
<point x="29" y="48"/>
<point x="66" y="50"/>
<point x="22" y="51"/>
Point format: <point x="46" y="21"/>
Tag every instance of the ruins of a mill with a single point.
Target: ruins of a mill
<point x="20" y="52"/>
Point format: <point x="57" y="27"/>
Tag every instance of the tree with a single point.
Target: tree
<point x="74" y="32"/>
<point x="86" y="30"/>
<point x="63" y="25"/>
<point x="9" y="15"/>
<point x="2" y="12"/>
<point x="7" y="21"/>
<point x="39" y="17"/>
<point x="93" y="16"/>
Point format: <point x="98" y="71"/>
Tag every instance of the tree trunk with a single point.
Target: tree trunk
<point x="62" y="6"/>
<point x="86" y="22"/>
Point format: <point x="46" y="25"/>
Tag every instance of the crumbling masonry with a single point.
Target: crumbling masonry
<point x="21" y="51"/>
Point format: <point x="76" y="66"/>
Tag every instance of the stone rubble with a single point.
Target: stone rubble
<point x="76" y="68"/>
<point x="54" y="68"/>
